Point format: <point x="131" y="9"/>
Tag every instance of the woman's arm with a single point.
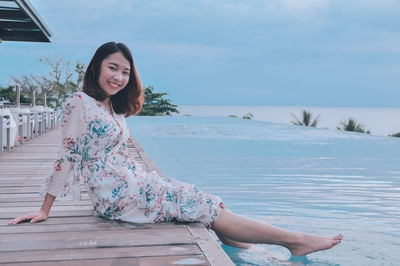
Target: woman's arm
<point x="47" y="203"/>
<point x="38" y="216"/>
<point x="61" y="176"/>
<point x="64" y="174"/>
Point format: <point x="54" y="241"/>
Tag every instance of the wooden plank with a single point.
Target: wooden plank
<point x="9" y="190"/>
<point x="27" y="182"/>
<point x="64" y="220"/>
<point x="43" y="227"/>
<point x="98" y="253"/>
<point x="55" y="213"/>
<point x="90" y="239"/>
<point x="39" y="204"/>
<point x="39" y="164"/>
<point x="25" y="189"/>
<point x="24" y="209"/>
<point x="38" y="156"/>
<point x="30" y="163"/>
<point x="143" y="261"/>
<point x="14" y="197"/>
<point x="33" y="171"/>
<point x="92" y="219"/>
<point x="17" y="176"/>
<point x="208" y="245"/>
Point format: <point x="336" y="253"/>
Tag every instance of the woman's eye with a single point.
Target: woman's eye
<point x="126" y="73"/>
<point x="112" y="68"/>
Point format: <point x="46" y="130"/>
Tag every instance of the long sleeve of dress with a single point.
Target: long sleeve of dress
<point x="65" y="173"/>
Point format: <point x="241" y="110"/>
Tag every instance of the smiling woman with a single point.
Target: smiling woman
<point x="111" y="78"/>
<point x="114" y="73"/>
<point x="94" y="148"/>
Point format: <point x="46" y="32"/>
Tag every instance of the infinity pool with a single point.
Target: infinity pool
<point x="313" y="180"/>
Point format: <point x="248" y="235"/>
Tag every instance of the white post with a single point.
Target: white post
<point x="34" y="98"/>
<point x="1" y="133"/>
<point x="17" y="97"/>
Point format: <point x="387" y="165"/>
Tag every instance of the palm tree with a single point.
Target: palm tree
<point x="248" y="116"/>
<point x="307" y="119"/>
<point x="396" y="135"/>
<point x="351" y="124"/>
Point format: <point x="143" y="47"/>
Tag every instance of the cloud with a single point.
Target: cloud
<point x="181" y="50"/>
<point x="358" y="41"/>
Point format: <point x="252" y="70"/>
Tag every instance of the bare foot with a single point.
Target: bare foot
<point x="307" y="244"/>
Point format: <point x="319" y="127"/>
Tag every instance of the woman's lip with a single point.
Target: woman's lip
<point x="114" y="85"/>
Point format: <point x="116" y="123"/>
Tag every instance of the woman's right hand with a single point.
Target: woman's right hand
<point x="33" y="217"/>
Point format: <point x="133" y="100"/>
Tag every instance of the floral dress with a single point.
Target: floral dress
<point x="93" y="147"/>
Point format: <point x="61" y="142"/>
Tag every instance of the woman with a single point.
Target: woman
<point x="94" y="136"/>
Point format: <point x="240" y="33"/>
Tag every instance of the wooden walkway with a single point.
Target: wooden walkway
<point x="73" y="235"/>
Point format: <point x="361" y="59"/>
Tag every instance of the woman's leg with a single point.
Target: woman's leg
<point x="241" y="229"/>
<point x="232" y="243"/>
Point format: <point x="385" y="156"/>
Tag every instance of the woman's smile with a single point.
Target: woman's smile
<point x="114" y="73"/>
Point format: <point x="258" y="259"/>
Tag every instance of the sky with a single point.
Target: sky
<point x="232" y="52"/>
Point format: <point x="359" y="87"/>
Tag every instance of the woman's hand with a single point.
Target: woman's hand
<point x="33" y="217"/>
<point x="38" y="216"/>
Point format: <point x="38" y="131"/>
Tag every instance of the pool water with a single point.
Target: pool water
<point x="305" y="179"/>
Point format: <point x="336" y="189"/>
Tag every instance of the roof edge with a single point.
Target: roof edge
<point x="27" y="7"/>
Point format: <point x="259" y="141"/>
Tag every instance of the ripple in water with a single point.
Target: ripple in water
<point x="312" y="180"/>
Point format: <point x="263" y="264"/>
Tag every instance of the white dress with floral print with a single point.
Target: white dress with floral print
<point x="93" y="146"/>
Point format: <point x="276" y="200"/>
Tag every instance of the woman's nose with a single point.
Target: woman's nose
<point x="118" y="76"/>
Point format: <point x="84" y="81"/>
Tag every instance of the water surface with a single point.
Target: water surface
<point x="313" y="180"/>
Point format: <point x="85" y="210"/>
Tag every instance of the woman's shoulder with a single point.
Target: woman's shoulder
<point x="77" y="100"/>
<point x="80" y="98"/>
<point x="80" y="95"/>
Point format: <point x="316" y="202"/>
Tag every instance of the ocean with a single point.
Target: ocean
<point x="313" y="180"/>
<point x="379" y="120"/>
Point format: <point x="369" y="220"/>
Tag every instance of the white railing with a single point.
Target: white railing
<point x="19" y="125"/>
<point x="5" y="131"/>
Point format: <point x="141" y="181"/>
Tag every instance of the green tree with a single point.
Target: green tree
<point x="396" y="135"/>
<point x="26" y="84"/>
<point x="306" y="119"/>
<point x="155" y="103"/>
<point x="61" y="80"/>
<point x="10" y="95"/>
<point x="248" y="116"/>
<point x="58" y="84"/>
<point x="351" y="124"/>
<point x="46" y="87"/>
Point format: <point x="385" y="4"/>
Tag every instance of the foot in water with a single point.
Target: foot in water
<point x="306" y="244"/>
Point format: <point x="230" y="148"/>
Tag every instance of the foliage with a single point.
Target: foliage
<point x="9" y="94"/>
<point x="245" y="116"/>
<point x="58" y="84"/>
<point x="351" y="124"/>
<point x="396" y="135"/>
<point x="26" y="83"/>
<point x="248" y="116"/>
<point x="155" y="104"/>
<point x="306" y="119"/>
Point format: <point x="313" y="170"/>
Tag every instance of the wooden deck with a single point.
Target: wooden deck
<point x="73" y="235"/>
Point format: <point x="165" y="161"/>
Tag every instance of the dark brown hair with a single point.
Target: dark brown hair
<point x="127" y="101"/>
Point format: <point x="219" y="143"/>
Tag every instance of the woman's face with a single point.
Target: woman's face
<point x="114" y="73"/>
